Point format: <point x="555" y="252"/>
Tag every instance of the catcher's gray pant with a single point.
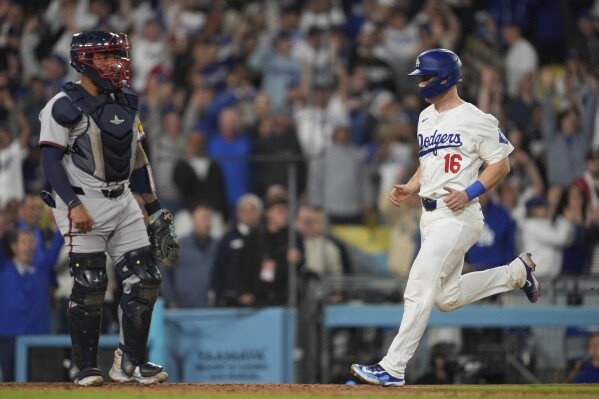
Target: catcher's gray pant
<point x="436" y="278"/>
<point x="118" y="225"/>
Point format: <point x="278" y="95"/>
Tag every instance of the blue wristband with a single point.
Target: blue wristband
<point x="474" y="190"/>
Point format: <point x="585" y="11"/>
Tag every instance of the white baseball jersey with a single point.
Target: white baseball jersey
<point x="453" y="145"/>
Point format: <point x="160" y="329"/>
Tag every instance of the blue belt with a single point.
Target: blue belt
<point x="429" y="204"/>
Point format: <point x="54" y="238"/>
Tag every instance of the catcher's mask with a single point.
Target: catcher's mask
<point x="104" y="57"/>
<point x="444" y="65"/>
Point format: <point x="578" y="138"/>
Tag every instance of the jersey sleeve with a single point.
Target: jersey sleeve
<point x="492" y="144"/>
<point x="51" y="132"/>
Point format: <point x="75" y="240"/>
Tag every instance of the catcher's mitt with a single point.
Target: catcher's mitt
<point x="163" y="239"/>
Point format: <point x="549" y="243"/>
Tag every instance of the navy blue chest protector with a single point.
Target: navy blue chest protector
<point x="106" y="150"/>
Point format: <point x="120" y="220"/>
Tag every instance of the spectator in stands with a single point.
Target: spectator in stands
<point x="573" y="205"/>
<point x="587" y="370"/>
<point x="568" y="140"/>
<point x="30" y="212"/>
<point x="150" y="50"/>
<point x="188" y="284"/>
<point x="322" y="256"/>
<point x="593" y="267"/>
<point x="276" y="139"/>
<point x="583" y="37"/>
<point x="323" y="14"/>
<point x="231" y="149"/>
<point x="497" y="244"/>
<point x="277" y="67"/>
<point x="199" y="179"/>
<point x="519" y="109"/>
<point x="401" y="40"/>
<point x="25" y="279"/>
<point x="443" y="365"/>
<point x="267" y="259"/>
<point x="316" y="119"/>
<point x="490" y="92"/>
<point x="589" y="181"/>
<point x="404" y="229"/>
<point x="544" y="237"/>
<point x="228" y="262"/>
<point x="12" y="154"/>
<point x="524" y="173"/>
<point x="338" y="181"/>
<point x="368" y="53"/>
<point x="520" y="58"/>
<point x="441" y="25"/>
<point x="167" y="148"/>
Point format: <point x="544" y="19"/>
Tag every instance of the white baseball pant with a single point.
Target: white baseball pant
<point x="436" y="278"/>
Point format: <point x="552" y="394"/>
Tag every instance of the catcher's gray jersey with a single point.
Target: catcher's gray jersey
<point x="118" y="225"/>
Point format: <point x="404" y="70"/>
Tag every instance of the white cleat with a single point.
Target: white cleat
<point x="145" y="374"/>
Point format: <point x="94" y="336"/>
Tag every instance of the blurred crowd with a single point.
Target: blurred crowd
<point x="257" y="109"/>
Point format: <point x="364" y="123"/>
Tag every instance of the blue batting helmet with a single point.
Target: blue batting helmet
<point x="85" y="45"/>
<point x="444" y="64"/>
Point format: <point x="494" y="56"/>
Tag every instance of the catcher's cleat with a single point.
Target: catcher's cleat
<point x="123" y="370"/>
<point x="532" y="287"/>
<point x="375" y="374"/>
<point x="88" y="377"/>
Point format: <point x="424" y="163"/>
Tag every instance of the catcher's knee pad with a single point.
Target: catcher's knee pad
<point x="140" y="274"/>
<point x="84" y="313"/>
<point x="89" y="279"/>
<point x="141" y="284"/>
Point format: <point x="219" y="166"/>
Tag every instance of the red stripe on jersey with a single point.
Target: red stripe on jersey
<point x="41" y="143"/>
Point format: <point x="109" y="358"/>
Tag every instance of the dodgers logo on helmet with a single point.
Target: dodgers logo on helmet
<point x="444" y="65"/>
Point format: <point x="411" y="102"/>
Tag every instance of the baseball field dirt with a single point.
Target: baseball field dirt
<point x="273" y="391"/>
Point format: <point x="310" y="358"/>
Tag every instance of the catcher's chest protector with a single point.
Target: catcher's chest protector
<point x="107" y="149"/>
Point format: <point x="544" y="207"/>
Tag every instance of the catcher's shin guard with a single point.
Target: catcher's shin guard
<point x="141" y="284"/>
<point x="84" y="313"/>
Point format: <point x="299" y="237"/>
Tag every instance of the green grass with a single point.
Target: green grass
<point x="545" y="391"/>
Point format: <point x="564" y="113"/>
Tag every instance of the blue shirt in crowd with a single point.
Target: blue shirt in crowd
<point x="497" y="245"/>
<point x="25" y="299"/>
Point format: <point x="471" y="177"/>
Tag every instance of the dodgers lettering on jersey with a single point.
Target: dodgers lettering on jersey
<point x="438" y="141"/>
<point x="453" y="146"/>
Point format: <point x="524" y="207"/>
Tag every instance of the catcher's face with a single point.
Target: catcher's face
<point x="108" y="63"/>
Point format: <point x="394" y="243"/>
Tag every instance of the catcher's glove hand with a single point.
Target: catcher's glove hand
<point x="163" y="239"/>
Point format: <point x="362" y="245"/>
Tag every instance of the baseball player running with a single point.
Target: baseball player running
<point x="455" y="139"/>
<point x="90" y="134"/>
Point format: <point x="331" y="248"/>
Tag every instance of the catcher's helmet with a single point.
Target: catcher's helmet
<point x="85" y="44"/>
<point x="444" y="64"/>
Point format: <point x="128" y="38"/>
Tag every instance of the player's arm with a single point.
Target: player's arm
<point x="401" y="192"/>
<point x="143" y="181"/>
<point x="493" y="173"/>
<point x="57" y="177"/>
<point x="161" y="232"/>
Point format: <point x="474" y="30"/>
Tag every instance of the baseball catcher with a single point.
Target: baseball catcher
<point x="90" y="144"/>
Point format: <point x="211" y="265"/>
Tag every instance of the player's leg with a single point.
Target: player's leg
<point x="129" y="247"/>
<point x="459" y="290"/>
<point x="84" y="315"/>
<point x="445" y="240"/>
